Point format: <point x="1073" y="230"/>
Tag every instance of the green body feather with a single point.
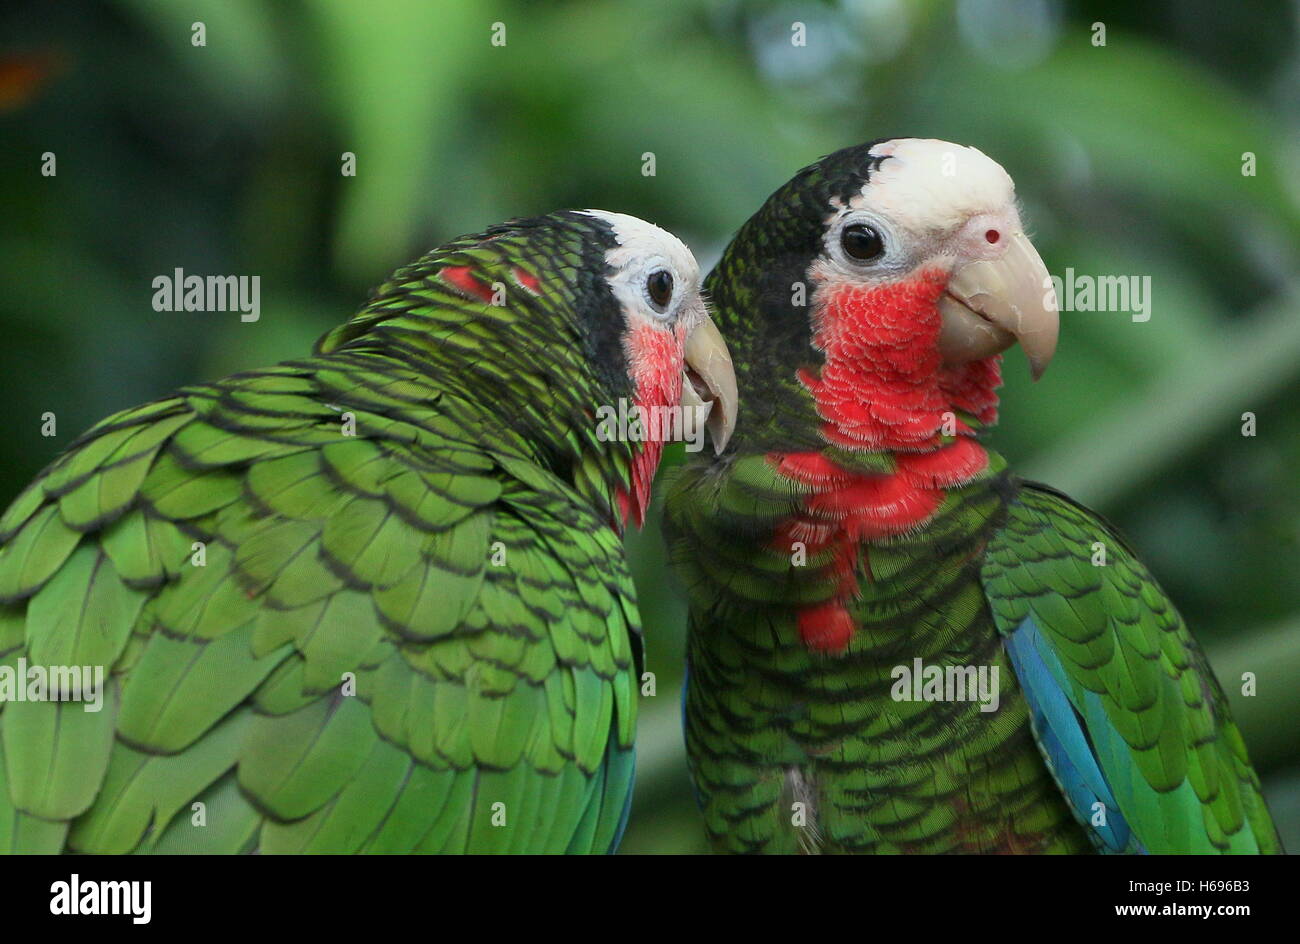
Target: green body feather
<point x="771" y="724"/>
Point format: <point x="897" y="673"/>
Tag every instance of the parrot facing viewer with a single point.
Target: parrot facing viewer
<point x="373" y="600"/>
<point x="858" y="546"/>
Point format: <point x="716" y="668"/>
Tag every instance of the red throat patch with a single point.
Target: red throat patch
<point x="655" y="357"/>
<point x="882" y="388"/>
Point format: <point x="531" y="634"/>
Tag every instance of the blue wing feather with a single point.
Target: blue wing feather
<point x="1064" y="739"/>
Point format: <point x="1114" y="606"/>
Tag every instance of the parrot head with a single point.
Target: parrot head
<point x="884" y="280"/>
<point x="671" y="351"/>
<point x="671" y="348"/>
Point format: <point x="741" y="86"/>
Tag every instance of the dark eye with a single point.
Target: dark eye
<point x="862" y="242"/>
<point x="660" y="288"/>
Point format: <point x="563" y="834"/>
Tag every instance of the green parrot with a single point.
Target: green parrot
<point x="372" y="600"/>
<point x="895" y="644"/>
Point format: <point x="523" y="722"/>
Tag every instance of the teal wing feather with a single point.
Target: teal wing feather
<point x="1126" y="710"/>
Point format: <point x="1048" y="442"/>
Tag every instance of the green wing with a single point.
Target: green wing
<point x="1126" y="711"/>
<point x="406" y="639"/>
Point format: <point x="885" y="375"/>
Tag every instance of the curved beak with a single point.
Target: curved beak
<point x="709" y="381"/>
<point x="991" y="304"/>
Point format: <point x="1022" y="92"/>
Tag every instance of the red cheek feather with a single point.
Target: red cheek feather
<point x="972" y="387"/>
<point x="463" y="280"/>
<point x="528" y="281"/>
<point x="876" y="388"/>
<point x="656" y="360"/>
<point x="882" y="388"/>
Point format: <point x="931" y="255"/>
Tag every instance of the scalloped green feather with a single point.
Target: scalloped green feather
<point x="39" y="549"/>
<point x="226" y="823"/>
<point x="292" y="764"/>
<point x="84" y="614"/>
<point x="142" y="792"/>
<point x="56" y="753"/>
<point x="180" y="688"/>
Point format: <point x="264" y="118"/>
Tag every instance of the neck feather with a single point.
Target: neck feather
<point x="899" y="429"/>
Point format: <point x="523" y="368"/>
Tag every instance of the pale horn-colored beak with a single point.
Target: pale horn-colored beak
<point x="709" y="381"/>
<point x="991" y="304"/>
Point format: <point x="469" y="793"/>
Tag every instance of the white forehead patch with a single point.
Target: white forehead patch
<point x="642" y="244"/>
<point x="931" y="186"/>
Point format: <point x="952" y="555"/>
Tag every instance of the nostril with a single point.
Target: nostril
<point x="992" y="236"/>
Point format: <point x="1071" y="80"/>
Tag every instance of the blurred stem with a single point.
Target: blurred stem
<point x="1129" y="444"/>
<point x="1267" y="719"/>
<point x="660" y="749"/>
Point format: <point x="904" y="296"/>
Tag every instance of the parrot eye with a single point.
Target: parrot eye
<point x="659" y="289"/>
<point x="862" y="242"/>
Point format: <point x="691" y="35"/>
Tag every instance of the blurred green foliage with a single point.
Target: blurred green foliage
<point x="1128" y="157"/>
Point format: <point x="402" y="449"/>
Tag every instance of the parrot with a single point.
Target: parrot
<point x="374" y="600"/>
<point x="896" y="645"/>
